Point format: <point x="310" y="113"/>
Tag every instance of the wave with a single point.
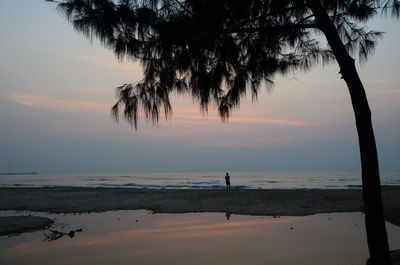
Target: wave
<point x="204" y="182"/>
<point x="198" y="185"/>
<point x="354" y="186"/>
<point x="19" y="185"/>
<point x="197" y="181"/>
<point x="18" y="173"/>
<point x="267" y="181"/>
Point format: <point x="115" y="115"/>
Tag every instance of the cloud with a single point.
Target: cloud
<point x="108" y="60"/>
<point x="380" y="91"/>
<point x="182" y="116"/>
<point x="375" y="81"/>
<point x="125" y="66"/>
<point x="44" y="102"/>
<point x="249" y="120"/>
<point x="188" y="125"/>
<point x="191" y="115"/>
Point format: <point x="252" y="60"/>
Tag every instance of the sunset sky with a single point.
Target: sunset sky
<point x="57" y="88"/>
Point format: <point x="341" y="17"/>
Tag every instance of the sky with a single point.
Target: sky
<point x="57" y="88"/>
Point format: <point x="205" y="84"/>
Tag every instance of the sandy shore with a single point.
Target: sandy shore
<point x="252" y="202"/>
<point x="19" y="224"/>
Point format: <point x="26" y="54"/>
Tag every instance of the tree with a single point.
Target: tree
<point x="217" y="50"/>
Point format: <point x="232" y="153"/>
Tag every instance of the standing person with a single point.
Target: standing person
<point x="228" y="181"/>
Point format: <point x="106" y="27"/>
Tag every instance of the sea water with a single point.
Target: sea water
<point x="210" y="180"/>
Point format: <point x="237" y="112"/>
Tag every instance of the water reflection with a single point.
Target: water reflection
<point x="227" y="215"/>
<point x="116" y="238"/>
<point x="55" y="235"/>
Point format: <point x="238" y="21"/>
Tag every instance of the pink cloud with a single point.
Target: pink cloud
<point x="59" y="104"/>
<point x="249" y="120"/>
<point x="106" y="59"/>
<point x="125" y="66"/>
<point x="187" y="126"/>
<point x="190" y="127"/>
<point x="375" y="81"/>
<point x="185" y="115"/>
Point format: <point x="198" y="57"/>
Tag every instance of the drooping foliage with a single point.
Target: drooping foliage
<point x="216" y="50"/>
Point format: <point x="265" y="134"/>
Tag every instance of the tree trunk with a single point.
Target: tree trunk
<point x="371" y="186"/>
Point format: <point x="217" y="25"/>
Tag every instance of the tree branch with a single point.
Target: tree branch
<point x="183" y="7"/>
<point x="271" y="28"/>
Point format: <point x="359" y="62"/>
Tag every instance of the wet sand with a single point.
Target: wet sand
<point x="20" y="224"/>
<point x="249" y="202"/>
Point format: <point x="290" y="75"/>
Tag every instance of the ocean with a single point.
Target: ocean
<point x="210" y="180"/>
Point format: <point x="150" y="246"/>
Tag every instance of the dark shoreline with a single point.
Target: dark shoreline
<point x="249" y="202"/>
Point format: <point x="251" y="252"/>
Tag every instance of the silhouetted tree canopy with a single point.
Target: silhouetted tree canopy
<point x="216" y="50"/>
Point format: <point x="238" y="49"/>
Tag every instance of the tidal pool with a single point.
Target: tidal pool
<point x="139" y="237"/>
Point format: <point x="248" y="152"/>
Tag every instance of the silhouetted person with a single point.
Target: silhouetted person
<point x="228" y="181"/>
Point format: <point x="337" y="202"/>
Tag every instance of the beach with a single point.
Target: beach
<point x="246" y="202"/>
<point x="299" y="220"/>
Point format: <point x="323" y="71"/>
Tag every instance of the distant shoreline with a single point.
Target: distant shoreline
<point x="247" y="202"/>
<point x="19" y="173"/>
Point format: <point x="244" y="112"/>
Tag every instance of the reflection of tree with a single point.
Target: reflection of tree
<point x="227" y="215"/>
<point x="217" y="50"/>
<point x="57" y="234"/>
